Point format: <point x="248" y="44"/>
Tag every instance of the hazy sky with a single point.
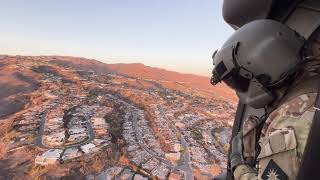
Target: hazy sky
<point x="178" y="35"/>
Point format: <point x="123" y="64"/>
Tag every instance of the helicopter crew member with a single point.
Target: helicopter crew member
<point x="270" y="67"/>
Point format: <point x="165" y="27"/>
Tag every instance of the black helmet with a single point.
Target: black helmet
<point x="265" y="51"/>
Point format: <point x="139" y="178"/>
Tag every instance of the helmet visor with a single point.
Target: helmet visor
<point x="237" y="82"/>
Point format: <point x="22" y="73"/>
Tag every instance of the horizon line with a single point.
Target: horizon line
<point x="102" y="61"/>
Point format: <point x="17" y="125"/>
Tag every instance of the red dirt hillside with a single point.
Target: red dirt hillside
<point x="140" y="70"/>
<point x="169" y="79"/>
<point x="198" y="82"/>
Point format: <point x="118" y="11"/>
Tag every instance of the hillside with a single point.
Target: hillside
<point x="77" y="118"/>
<point x="138" y="70"/>
<point x="200" y="83"/>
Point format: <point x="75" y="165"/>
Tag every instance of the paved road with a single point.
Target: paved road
<point x="186" y="156"/>
<point x="186" y="161"/>
<point x="90" y="134"/>
<point x="39" y="139"/>
<point x="90" y="130"/>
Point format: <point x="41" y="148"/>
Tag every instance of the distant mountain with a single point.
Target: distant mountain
<point x="170" y="79"/>
<point x="140" y="70"/>
<point x="198" y="82"/>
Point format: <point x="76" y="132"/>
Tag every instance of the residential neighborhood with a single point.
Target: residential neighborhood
<point x="111" y="126"/>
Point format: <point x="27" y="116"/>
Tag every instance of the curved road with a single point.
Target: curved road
<point x="186" y="156"/>
<point x="39" y="138"/>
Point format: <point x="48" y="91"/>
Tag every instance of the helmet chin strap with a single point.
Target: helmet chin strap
<point x="257" y="95"/>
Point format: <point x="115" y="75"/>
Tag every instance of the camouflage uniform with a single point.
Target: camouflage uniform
<point x="284" y="134"/>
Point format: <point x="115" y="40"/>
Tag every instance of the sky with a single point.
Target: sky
<point x="178" y="35"/>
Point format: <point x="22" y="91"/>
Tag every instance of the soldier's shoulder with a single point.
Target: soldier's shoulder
<point x="285" y="133"/>
<point x="296" y="106"/>
<point x="289" y="113"/>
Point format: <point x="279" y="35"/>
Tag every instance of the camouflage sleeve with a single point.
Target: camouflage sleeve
<point x="245" y="172"/>
<point x="282" y="141"/>
<point x="284" y="137"/>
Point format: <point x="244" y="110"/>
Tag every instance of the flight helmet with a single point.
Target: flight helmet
<point x="257" y="57"/>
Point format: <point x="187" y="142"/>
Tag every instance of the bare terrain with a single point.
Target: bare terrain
<point x="76" y="118"/>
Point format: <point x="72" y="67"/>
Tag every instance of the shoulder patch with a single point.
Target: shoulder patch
<point x="273" y="172"/>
